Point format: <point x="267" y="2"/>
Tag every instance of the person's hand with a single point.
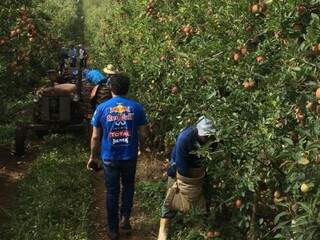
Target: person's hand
<point x="143" y="151"/>
<point x="165" y="166"/>
<point x="93" y="165"/>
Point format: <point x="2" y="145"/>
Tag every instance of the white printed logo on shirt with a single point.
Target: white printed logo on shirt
<point x="120" y="134"/>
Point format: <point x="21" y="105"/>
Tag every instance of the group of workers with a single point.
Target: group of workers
<point x="70" y="57"/>
<point x="119" y="131"/>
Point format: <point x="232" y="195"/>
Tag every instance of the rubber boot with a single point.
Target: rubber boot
<point x="164" y="228"/>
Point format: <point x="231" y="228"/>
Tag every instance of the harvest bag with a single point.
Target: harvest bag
<point x="186" y="192"/>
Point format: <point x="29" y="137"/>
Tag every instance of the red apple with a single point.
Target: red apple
<point x="301" y="9"/>
<point x="187" y="30"/>
<point x="210" y="234"/>
<point x="174" y="90"/>
<point x="237" y="56"/>
<point x="238" y="203"/>
<point x="244" y="50"/>
<point x="259" y="59"/>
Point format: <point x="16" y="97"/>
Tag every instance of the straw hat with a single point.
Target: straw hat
<point x="109" y="69"/>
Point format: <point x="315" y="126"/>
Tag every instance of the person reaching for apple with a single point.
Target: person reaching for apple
<point x="186" y="174"/>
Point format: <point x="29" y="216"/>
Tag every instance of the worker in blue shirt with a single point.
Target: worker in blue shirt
<point x="94" y="76"/>
<point x="120" y="124"/>
<point x="183" y="162"/>
<point x="73" y="56"/>
<point x="101" y="91"/>
<point x="181" y="158"/>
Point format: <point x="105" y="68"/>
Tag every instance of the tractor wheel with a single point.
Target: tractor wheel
<point x="20" y="138"/>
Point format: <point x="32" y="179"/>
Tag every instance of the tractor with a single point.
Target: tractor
<point x="62" y="112"/>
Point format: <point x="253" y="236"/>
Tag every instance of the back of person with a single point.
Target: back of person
<point x="81" y="53"/>
<point x="94" y="76"/>
<point x="186" y="174"/>
<point x="73" y="53"/>
<point x="119" y="118"/>
<point x="120" y="123"/>
<point x="183" y="158"/>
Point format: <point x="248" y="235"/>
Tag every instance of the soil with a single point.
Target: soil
<point x="12" y="170"/>
<point x="140" y="229"/>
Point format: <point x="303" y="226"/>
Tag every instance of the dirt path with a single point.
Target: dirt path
<point x="147" y="169"/>
<point x="12" y="170"/>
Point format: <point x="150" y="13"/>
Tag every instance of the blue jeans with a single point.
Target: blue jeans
<point x="114" y="171"/>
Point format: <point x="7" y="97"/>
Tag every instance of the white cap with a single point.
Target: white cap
<point x="205" y="127"/>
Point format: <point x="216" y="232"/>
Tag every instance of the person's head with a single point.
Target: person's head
<point x="119" y="84"/>
<point x="52" y="75"/>
<point x="205" y="129"/>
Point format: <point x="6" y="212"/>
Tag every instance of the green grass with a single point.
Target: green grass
<point x="150" y="196"/>
<point x="6" y="134"/>
<point x="54" y="198"/>
<point x="16" y="110"/>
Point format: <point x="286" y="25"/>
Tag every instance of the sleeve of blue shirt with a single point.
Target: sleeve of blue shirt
<point x="181" y="158"/>
<point x="141" y="116"/>
<point x="94" y="76"/>
<point x="171" y="172"/>
<point x="95" y="121"/>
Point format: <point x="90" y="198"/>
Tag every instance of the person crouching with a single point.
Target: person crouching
<point x="185" y="174"/>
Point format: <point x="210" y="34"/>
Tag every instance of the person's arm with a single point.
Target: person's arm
<point x="95" y="139"/>
<point x="172" y="169"/>
<point x="143" y="127"/>
<point x="181" y="158"/>
<point x="95" y="143"/>
<point x="95" y="146"/>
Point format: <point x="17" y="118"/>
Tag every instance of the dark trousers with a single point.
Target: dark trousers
<point x="73" y="62"/>
<point x="166" y="212"/>
<point x="82" y="63"/>
<point x="61" y="65"/>
<point x="114" y="172"/>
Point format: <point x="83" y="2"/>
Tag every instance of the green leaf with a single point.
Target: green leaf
<point x="280" y="215"/>
<point x="288" y="141"/>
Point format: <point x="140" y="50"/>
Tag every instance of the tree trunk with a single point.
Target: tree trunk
<point x="251" y="235"/>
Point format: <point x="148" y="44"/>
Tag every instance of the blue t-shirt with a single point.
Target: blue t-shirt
<point x="119" y="119"/>
<point x="94" y="76"/>
<point x="183" y="157"/>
